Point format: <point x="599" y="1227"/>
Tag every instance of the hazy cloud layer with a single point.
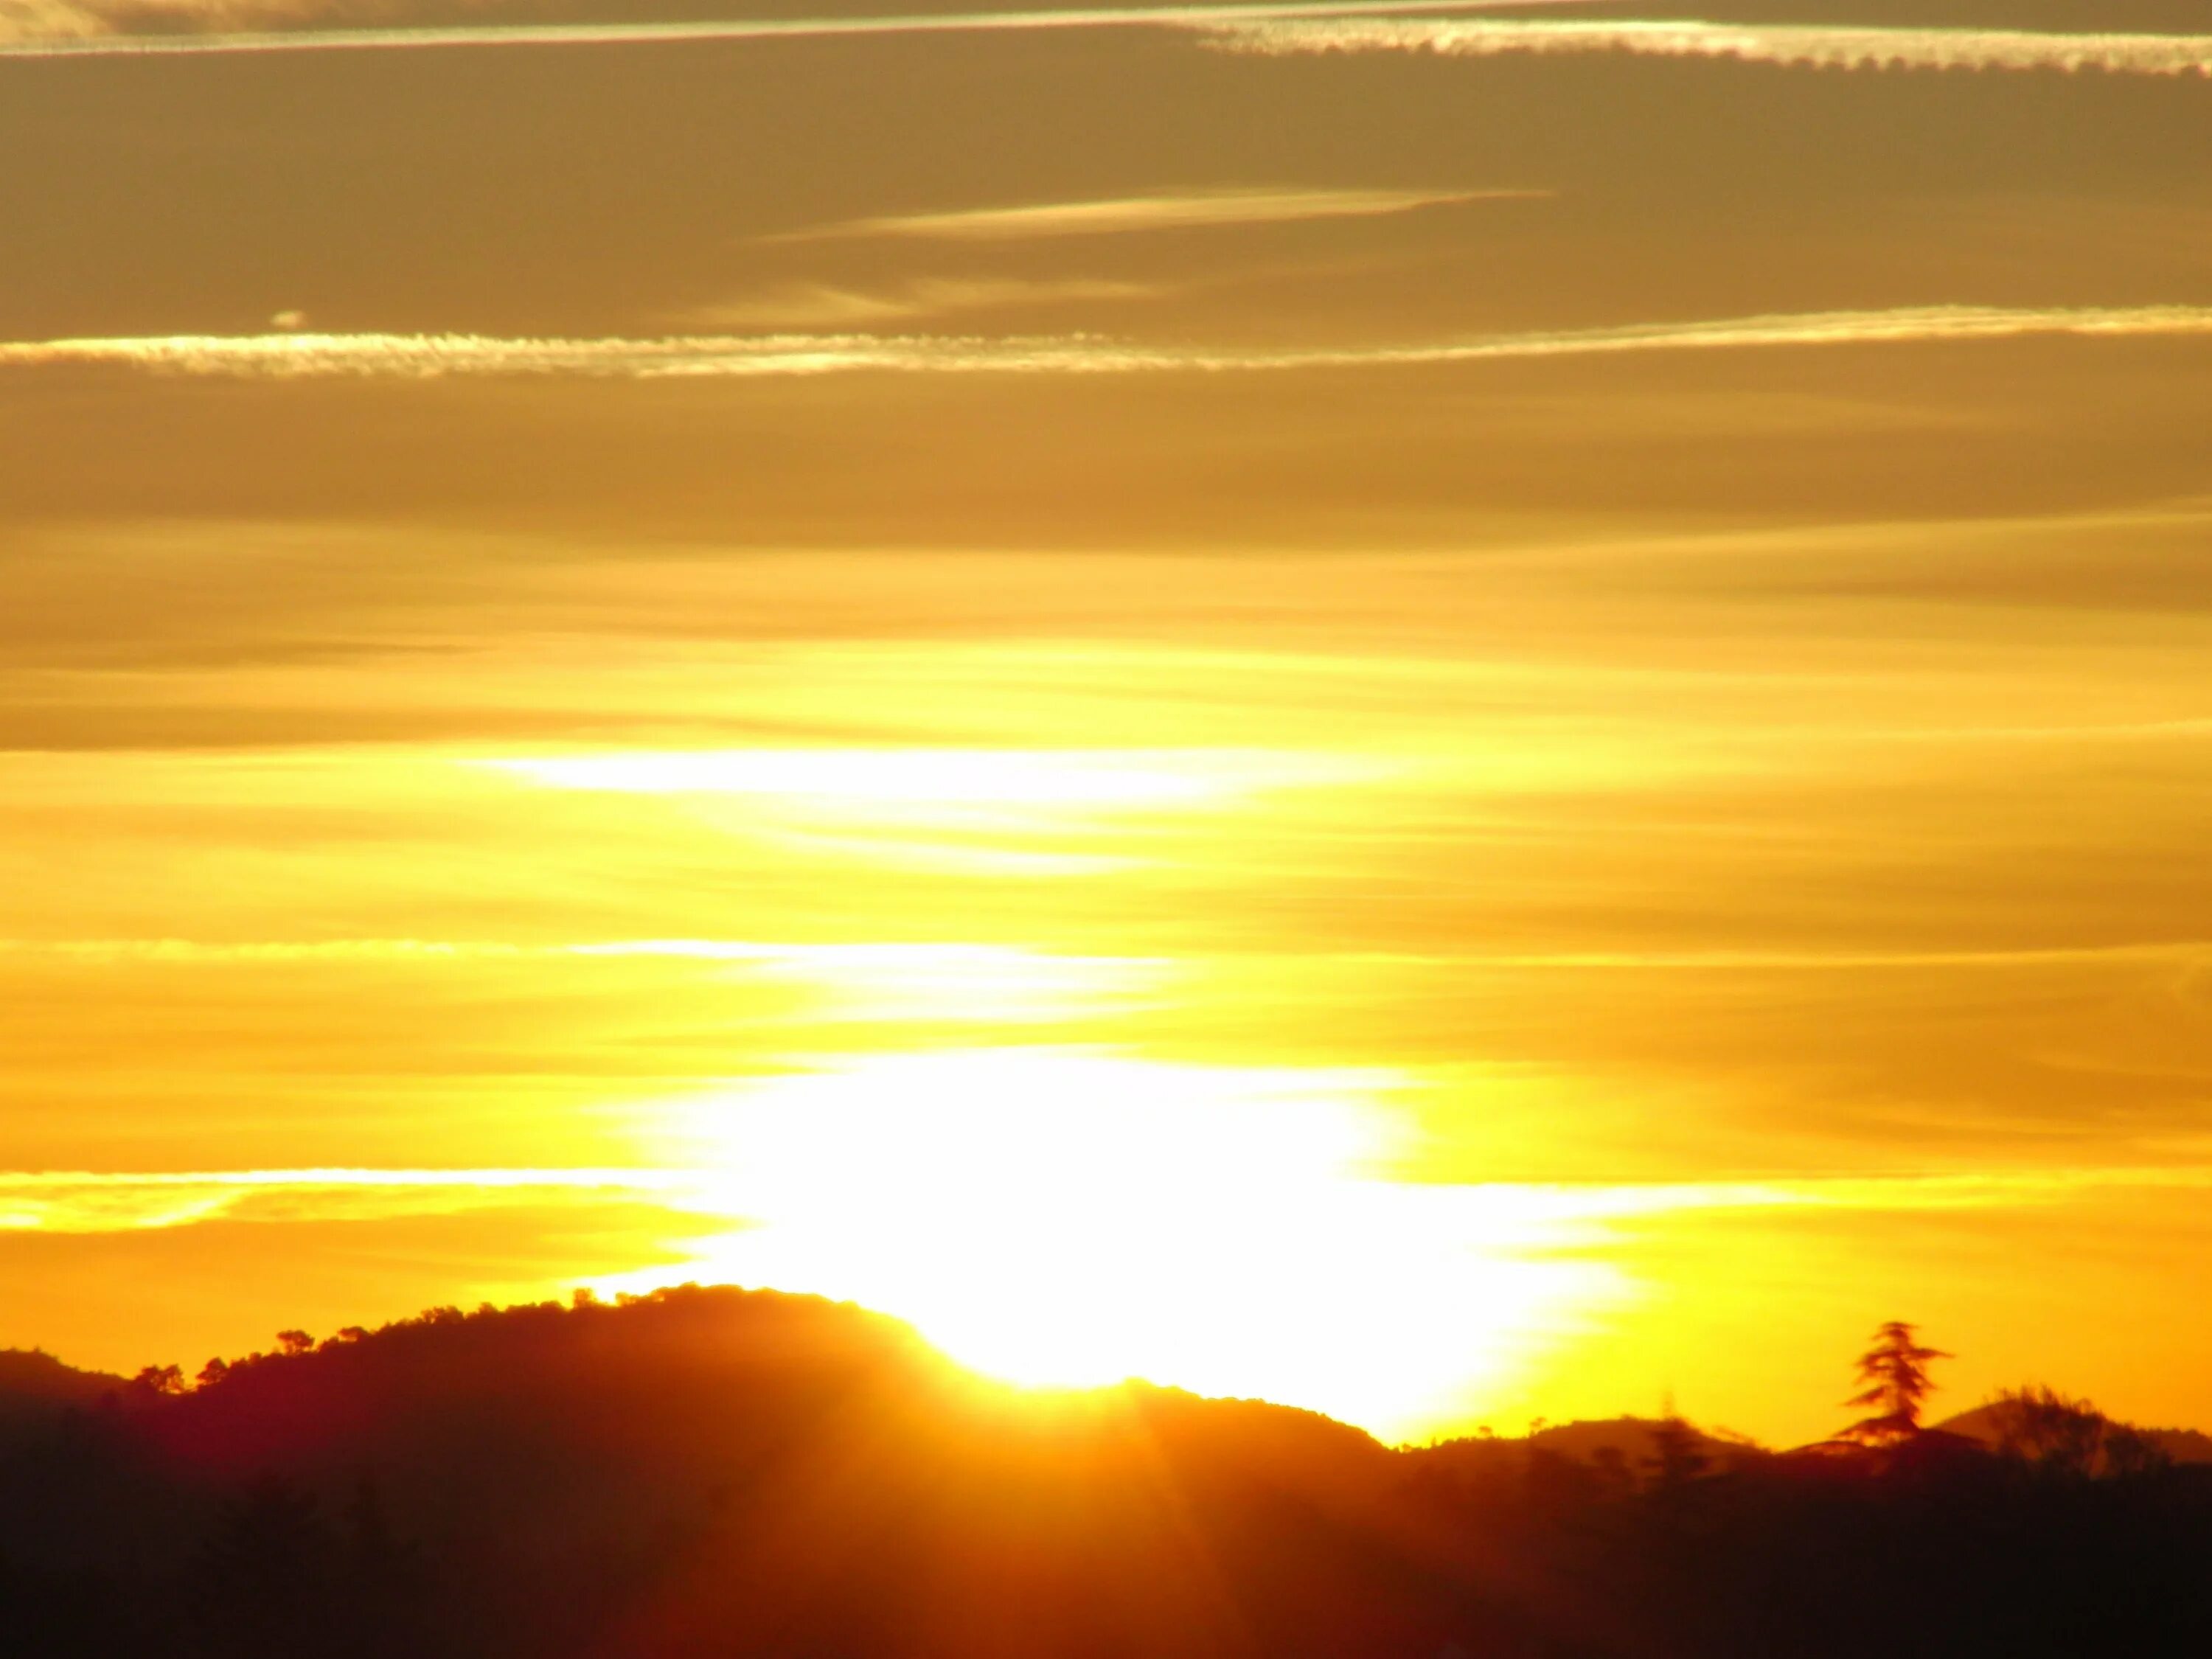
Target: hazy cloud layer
<point x="430" y="356"/>
<point x="1799" y="45"/>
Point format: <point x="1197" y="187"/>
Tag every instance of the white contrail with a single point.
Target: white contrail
<point x="427" y="356"/>
<point x="48" y="28"/>
<point x="1807" y="46"/>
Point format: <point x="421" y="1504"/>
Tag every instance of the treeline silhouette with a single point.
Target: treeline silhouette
<point x="712" y="1472"/>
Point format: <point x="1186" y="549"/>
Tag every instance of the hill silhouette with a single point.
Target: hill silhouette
<point x="34" y="1385"/>
<point x="718" y="1472"/>
<point x="1985" y="1425"/>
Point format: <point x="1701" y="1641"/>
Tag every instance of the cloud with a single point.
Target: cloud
<point x="55" y="28"/>
<point x="108" y="27"/>
<point x="90" y="1201"/>
<point x="86" y="1201"/>
<point x="432" y="357"/>
<point x="27" y="20"/>
<point x="1796" y="46"/>
<point x="1168" y="210"/>
<point x="823" y="305"/>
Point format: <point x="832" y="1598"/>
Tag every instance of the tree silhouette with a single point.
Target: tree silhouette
<point x="2039" y="1425"/>
<point x="726" y="1475"/>
<point x="2069" y="1437"/>
<point x="1894" y="1375"/>
<point x="1678" y="1454"/>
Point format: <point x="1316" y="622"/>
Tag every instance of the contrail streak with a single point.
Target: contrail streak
<point x="425" y="357"/>
<point x="85" y="34"/>
<point x="1799" y="45"/>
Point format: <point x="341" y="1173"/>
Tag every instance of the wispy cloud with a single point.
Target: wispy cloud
<point x="107" y="27"/>
<point x="284" y="951"/>
<point x="77" y="28"/>
<point x="827" y="960"/>
<point x="1167" y="210"/>
<point x="429" y="356"/>
<point x="88" y="1201"/>
<point x="1799" y="46"/>
<point x="885" y="981"/>
<point x="824" y="305"/>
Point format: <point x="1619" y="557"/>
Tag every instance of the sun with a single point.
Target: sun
<point x="1071" y="1217"/>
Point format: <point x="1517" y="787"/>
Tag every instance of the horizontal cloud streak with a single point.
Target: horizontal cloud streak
<point x="952" y="959"/>
<point x="97" y="1201"/>
<point x="1173" y="210"/>
<point x="58" y="28"/>
<point x="823" y="305"/>
<point x="55" y="28"/>
<point x="86" y="1202"/>
<point x="1796" y="45"/>
<point x="424" y="356"/>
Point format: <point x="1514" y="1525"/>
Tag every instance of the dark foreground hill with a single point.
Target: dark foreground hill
<point x="752" y="1476"/>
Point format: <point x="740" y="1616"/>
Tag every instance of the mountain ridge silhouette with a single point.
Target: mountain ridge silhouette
<point x="753" y="1475"/>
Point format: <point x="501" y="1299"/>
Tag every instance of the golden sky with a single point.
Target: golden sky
<point x="1449" y="714"/>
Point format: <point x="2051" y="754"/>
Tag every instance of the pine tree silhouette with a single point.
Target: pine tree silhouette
<point x="1895" y="1373"/>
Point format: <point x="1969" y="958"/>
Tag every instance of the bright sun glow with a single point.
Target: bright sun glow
<point x="1074" y="1217"/>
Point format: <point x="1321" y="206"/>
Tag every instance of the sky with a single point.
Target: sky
<point x="1451" y="714"/>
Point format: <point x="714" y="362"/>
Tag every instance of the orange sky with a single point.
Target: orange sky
<point x="1446" y="715"/>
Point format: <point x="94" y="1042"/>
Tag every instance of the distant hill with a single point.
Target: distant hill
<point x="1985" y="1425"/>
<point x="1635" y="1440"/>
<point x="36" y="1388"/>
<point x="723" y="1475"/>
<point x="32" y="1377"/>
<point x="1627" y="1449"/>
